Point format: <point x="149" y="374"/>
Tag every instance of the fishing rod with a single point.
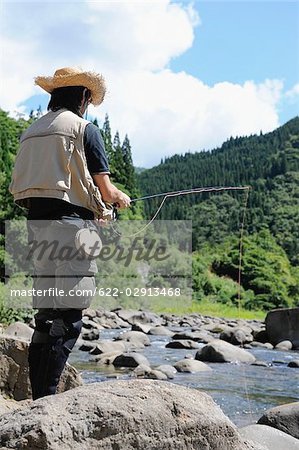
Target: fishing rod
<point x="191" y="191"/>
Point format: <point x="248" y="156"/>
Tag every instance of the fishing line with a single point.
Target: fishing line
<point x="199" y="190"/>
<point x="169" y="194"/>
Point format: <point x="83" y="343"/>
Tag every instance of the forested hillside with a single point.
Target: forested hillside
<point x="269" y="164"/>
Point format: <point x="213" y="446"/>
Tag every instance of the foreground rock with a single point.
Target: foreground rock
<point x="284" y="418"/>
<point x="221" y="351"/>
<point x="14" y="376"/>
<point x="127" y="415"/>
<point x="269" y="437"/>
<point x="19" y="330"/>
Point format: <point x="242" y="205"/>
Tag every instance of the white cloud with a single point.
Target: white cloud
<point x="294" y="92"/>
<point x="132" y="44"/>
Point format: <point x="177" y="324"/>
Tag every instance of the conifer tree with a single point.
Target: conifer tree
<point x="130" y="182"/>
<point x="107" y="138"/>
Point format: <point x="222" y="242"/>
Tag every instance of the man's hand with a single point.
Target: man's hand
<point x="124" y="201"/>
<point x="109" y="192"/>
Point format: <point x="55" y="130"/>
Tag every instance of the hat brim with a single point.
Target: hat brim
<point x="92" y="81"/>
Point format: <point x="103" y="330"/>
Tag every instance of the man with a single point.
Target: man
<point x="61" y="176"/>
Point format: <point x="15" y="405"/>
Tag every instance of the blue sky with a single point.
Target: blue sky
<point x="246" y="40"/>
<point x="181" y="75"/>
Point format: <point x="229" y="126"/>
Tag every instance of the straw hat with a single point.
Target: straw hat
<point x="69" y="76"/>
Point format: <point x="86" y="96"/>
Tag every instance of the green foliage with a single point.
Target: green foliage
<point x="266" y="271"/>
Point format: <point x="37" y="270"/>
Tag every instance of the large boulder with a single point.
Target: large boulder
<point x="124" y="414"/>
<point x="284" y="418"/>
<point x="19" y="330"/>
<point x="283" y="325"/>
<point x="269" y="437"/>
<point x="221" y="351"/>
<point x="14" y="372"/>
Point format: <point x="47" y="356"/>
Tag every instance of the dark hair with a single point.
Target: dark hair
<point x="69" y="97"/>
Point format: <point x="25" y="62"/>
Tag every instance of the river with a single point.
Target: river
<point x="242" y="391"/>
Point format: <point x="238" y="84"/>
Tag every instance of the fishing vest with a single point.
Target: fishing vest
<point x="51" y="162"/>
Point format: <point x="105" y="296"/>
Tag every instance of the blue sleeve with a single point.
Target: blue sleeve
<point x="96" y="157"/>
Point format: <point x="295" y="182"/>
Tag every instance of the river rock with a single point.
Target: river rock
<point x="130" y="360"/>
<point x="269" y="437"/>
<point x="108" y="346"/>
<point x="284" y="345"/>
<point x="85" y="346"/>
<point x="284" y="418"/>
<point x="237" y="336"/>
<point x="14" y="372"/>
<point x="106" y="359"/>
<point x="191" y="366"/>
<point x="143" y="371"/>
<point x="197" y="336"/>
<point x="109" y="319"/>
<point x="185" y="343"/>
<point x="283" y="325"/>
<point x="160" y="331"/>
<point x="294" y="363"/>
<point x="261" y="336"/>
<point x="262" y="345"/>
<point x="123" y="414"/>
<point x="19" y="330"/>
<point x="143" y="327"/>
<point x="136" y="338"/>
<point x="134" y="316"/>
<point x="90" y="334"/>
<point x="169" y="370"/>
<point x="221" y="351"/>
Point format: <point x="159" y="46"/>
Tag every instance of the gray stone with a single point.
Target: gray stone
<point x="191" y="366"/>
<point x="262" y="345"/>
<point x="90" y="335"/>
<point x="130" y="360"/>
<point x="294" y="363"/>
<point x="143" y="327"/>
<point x="135" y="337"/>
<point x="221" y="351"/>
<point x="14" y="372"/>
<point x="134" y="316"/>
<point x="106" y="359"/>
<point x="123" y="414"/>
<point x="269" y="437"/>
<point x="109" y="319"/>
<point x="283" y="325"/>
<point x="197" y="336"/>
<point x="160" y="331"/>
<point x="169" y="370"/>
<point x="107" y="347"/>
<point x="284" y="345"/>
<point x="185" y="343"/>
<point x="7" y="404"/>
<point x="284" y="418"/>
<point x="19" y="330"/>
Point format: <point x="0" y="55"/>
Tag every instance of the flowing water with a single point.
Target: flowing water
<point x="242" y="391"/>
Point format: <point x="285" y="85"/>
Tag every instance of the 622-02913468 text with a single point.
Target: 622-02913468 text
<point x="139" y="292"/>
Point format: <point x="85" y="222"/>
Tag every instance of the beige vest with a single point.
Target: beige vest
<point x="51" y="162"/>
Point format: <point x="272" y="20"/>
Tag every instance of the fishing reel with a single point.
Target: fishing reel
<point x="88" y="240"/>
